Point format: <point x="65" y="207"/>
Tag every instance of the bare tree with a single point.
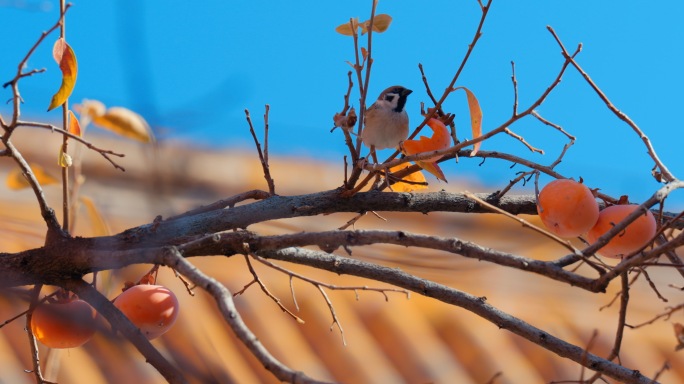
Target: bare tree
<point x="224" y="227"/>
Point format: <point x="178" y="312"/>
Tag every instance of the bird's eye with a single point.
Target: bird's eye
<point x="390" y="96"/>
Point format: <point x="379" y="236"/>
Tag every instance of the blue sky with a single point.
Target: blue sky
<point x="191" y="68"/>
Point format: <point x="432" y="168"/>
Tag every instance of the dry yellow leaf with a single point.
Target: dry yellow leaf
<point x="348" y="28"/>
<point x="126" y="123"/>
<point x="416" y="177"/>
<point x="475" y="118"/>
<point x="16" y="179"/>
<point x="119" y="120"/>
<point x="380" y="23"/>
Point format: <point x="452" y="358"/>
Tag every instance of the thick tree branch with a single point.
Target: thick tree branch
<point x="73" y="258"/>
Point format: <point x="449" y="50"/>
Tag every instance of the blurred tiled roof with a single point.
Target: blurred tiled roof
<point x="399" y="340"/>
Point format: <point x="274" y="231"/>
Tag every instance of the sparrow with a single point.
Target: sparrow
<point x="386" y="121"/>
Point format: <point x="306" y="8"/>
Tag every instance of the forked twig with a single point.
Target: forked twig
<point x="257" y="280"/>
<point x="16" y="98"/>
<point x="263" y="155"/>
<point x="521" y="176"/>
<point x="447" y="91"/>
<point x="320" y="285"/>
<point x="664" y="315"/>
<point x="336" y="321"/>
<point x="332" y="287"/>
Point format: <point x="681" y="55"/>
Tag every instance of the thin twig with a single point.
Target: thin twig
<point x="522" y="140"/>
<point x="521" y="176"/>
<point x="268" y="293"/>
<point x="22" y="313"/>
<point x="550" y="124"/>
<point x="104" y="152"/>
<point x="336" y="321"/>
<point x="16" y="99"/>
<point x="263" y="156"/>
<point x="525" y="223"/>
<point x="665" y="174"/>
<point x="332" y="287"/>
<point x="448" y="89"/>
<point x="352" y="221"/>
<point x="622" y="316"/>
<point x="427" y="86"/>
<point x="515" y="89"/>
<point x="652" y="285"/>
<point x="665" y="367"/>
<point x="588" y="348"/>
<point x="66" y="214"/>
<point x="664" y="315"/>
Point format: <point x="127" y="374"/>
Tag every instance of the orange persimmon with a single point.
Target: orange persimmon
<point x="67" y="324"/>
<point x="636" y="235"/>
<point x="152" y="308"/>
<point x="567" y="208"/>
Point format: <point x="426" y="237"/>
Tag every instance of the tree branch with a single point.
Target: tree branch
<point x="224" y="299"/>
<point x="476" y="305"/>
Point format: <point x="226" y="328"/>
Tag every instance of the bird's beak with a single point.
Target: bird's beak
<point x="406" y="92"/>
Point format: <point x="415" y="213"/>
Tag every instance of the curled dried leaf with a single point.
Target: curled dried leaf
<point x="440" y="139"/>
<point x="346" y="121"/>
<point x="66" y="59"/>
